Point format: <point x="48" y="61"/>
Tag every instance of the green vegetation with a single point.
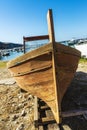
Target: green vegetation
<point x="3" y="64"/>
<point x="83" y="60"/>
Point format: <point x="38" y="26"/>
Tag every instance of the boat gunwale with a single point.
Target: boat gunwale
<point x="66" y="49"/>
<point x="31" y="57"/>
<point x="62" y="49"/>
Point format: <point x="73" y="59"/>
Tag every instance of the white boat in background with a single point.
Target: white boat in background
<point x="79" y="44"/>
<point x="82" y="47"/>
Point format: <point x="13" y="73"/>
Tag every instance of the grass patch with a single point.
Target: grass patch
<point x="83" y="60"/>
<point x="3" y="64"/>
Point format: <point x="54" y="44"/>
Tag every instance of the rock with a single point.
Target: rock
<point x="20" y="106"/>
<point x="20" y="127"/>
<point x="15" y="117"/>
<point x="30" y="110"/>
<point x="20" y="96"/>
<point x="30" y="97"/>
<point x="7" y="81"/>
<point x="23" y="113"/>
<point x="13" y="105"/>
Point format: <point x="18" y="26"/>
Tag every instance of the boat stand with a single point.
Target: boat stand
<point x="43" y="116"/>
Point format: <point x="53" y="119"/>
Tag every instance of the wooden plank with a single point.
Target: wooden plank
<point x="50" y="26"/>
<point x="49" y="114"/>
<point x="35" y="109"/>
<point x="54" y="126"/>
<point x="34" y="70"/>
<point x="34" y="38"/>
<point x="44" y="107"/>
<point x="60" y="48"/>
<point x="46" y="121"/>
<point x="74" y="113"/>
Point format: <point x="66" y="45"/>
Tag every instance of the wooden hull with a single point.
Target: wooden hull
<point x="46" y="73"/>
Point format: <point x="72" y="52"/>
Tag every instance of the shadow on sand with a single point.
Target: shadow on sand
<point x="75" y="99"/>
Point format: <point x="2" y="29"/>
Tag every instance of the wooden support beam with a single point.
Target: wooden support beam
<point x="36" y="110"/>
<point x="74" y="113"/>
<point x="46" y="121"/>
<point x="45" y="107"/>
<point x="34" y="38"/>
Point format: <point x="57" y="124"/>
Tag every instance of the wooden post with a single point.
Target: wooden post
<point x="36" y="118"/>
<point x="24" y="44"/>
<point x="50" y="26"/>
<point x="55" y="70"/>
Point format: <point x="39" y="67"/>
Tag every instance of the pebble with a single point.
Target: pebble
<point x="29" y="97"/>
<point x="23" y="113"/>
<point x="15" y="117"/>
<point x="20" y="127"/>
<point x="30" y="109"/>
<point x="8" y="81"/>
<point x="20" y="96"/>
<point x="13" y="105"/>
<point x="20" y="105"/>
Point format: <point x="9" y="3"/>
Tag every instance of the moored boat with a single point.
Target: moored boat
<point x="46" y="72"/>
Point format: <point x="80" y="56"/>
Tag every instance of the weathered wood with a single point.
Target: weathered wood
<point x="34" y="38"/>
<point x="44" y="50"/>
<point x="74" y="113"/>
<point x="33" y="71"/>
<point x="36" y="109"/>
<point x="56" y="113"/>
<point x="42" y="119"/>
<point x="50" y="83"/>
<point x="47" y="120"/>
<point x="54" y="127"/>
<point x="36" y="115"/>
<point x="49" y="114"/>
<point x="60" y="48"/>
<point x="45" y="107"/>
<point x="50" y="26"/>
<point x="50" y="120"/>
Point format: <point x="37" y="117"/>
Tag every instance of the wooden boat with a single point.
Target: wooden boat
<point x="47" y="71"/>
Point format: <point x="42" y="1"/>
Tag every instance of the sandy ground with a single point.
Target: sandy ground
<point x="17" y="106"/>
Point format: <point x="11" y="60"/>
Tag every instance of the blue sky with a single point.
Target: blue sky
<point x="20" y="18"/>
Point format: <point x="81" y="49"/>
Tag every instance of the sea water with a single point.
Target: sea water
<point x="11" y="56"/>
<point x="15" y="54"/>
